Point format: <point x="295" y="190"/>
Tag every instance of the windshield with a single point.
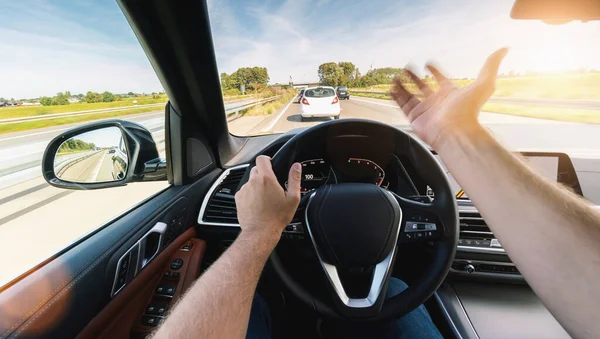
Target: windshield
<point x="319" y="93"/>
<point x="549" y="80"/>
<point x="342" y="88"/>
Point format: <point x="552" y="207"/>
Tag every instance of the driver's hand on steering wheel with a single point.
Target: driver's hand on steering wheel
<point x="263" y="207"/>
<point x="450" y="109"/>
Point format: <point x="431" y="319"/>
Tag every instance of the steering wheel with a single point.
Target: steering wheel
<point x="356" y="228"/>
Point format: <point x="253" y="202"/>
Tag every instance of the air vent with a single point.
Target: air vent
<point x="221" y="205"/>
<point x="472" y="226"/>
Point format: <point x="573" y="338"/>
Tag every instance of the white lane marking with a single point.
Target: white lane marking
<point x="272" y="124"/>
<point x="31" y="134"/>
<point x="97" y="169"/>
<point x="376" y="103"/>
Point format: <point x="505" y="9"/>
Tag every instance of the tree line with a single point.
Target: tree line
<point x="243" y="79"/>
<point x="62" y="98"/>
<point x="72" y="145"/>
<point x="347" y="74"/>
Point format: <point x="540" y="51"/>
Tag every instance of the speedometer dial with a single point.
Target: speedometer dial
<point x="316" y="173"/>
<point x="365" y="170"/>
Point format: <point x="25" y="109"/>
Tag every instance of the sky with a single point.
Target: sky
<point x="104" y="137"/>
<point x="52" y="46"/>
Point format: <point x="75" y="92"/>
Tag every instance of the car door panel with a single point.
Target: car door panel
<point x="124" y="311"/>
<point x="60" y="298"/>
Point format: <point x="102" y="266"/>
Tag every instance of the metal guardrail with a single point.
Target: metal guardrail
<point x="565" y="103"/>
<point x="236" y="109"/>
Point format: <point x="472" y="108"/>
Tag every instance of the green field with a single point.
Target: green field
<point x="566" y="87"/>
<point x="26" y="111"/>
<point x="584" y="86"/>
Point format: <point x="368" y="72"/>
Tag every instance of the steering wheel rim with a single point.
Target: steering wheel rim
<point x="443" y="207"/>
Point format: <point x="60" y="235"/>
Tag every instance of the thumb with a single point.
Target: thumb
<point x="293" y="186"/>
<point x="486" y="80"/>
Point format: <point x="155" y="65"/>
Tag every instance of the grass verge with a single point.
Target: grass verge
<point x="27" y="125"/>
<point x="369" y="95"/>
<point x="552" y="113"/>
<point x="270" y="107"/>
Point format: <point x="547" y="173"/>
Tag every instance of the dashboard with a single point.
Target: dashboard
<point x="319" y="172"/>
<point x="372" y="158"/>
<point x="394" y="175"/>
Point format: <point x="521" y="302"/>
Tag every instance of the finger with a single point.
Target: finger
<point x="409" y="105"/>
<point x="400" y="94"/>
<point x="422" y="86"/>
<point x="439" y="77"/>
<point x="486" y="81"/>
<point x="429" y="102"/>
<point x="492" y="63"/>
<point x="253" y="173"/>
<point x="294" y="178"/>
<point x="263" y="163"/>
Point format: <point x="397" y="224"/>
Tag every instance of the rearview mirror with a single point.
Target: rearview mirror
<point x="104" y="154"/>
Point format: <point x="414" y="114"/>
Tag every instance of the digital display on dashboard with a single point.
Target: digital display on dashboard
<point x="546" y="165"/>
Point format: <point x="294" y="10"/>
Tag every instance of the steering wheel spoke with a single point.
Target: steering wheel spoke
<point x="420" y="223"/>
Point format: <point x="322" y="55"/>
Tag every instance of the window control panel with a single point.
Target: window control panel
<point x="165" y="290"/>
<point x="176" y="264"/>
<point x="157" y="309"/>
<point x="151" y="321"/>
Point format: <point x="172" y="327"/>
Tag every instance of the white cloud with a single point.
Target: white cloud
<point x="42" y="57"/>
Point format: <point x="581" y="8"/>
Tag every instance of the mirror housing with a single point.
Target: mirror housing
<point x="142" y="163"/>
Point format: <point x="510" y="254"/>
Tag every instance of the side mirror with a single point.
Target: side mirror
<point x="103" y="154"/>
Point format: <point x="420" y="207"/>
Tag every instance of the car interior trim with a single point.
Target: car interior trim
<point x="160" y="228"/>
<point x="454" y="311"/>
<point x="210" y="194"/>
<point x="487" y="274"/>
<point x="480" y="249"/>
<point x="379" y="274"/>
<point x="447" y="316"/>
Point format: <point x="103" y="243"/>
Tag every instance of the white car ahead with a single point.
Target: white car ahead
<point x="319" y="102"/>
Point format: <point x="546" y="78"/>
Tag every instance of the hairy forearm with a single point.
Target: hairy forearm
<point x="552" y="235"/>
<point x="218" y="304"/>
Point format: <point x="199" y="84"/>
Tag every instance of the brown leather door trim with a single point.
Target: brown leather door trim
<point x="118" y="317"/>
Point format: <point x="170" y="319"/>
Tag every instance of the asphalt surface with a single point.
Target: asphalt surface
<point x="518" y="133"/>
<point x="94" y="168"/>
<point x="29" y="206"/>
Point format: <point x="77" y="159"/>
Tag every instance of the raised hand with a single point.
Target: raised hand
<point x="450" y="109"/>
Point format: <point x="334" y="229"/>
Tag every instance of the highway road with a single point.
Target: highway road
<point x="94" y="167"/>
<point x="44" y="219"/>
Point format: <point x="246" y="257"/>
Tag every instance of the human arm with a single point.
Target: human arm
<point x="218" y="304"/>
<point x="552" y="235"/>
